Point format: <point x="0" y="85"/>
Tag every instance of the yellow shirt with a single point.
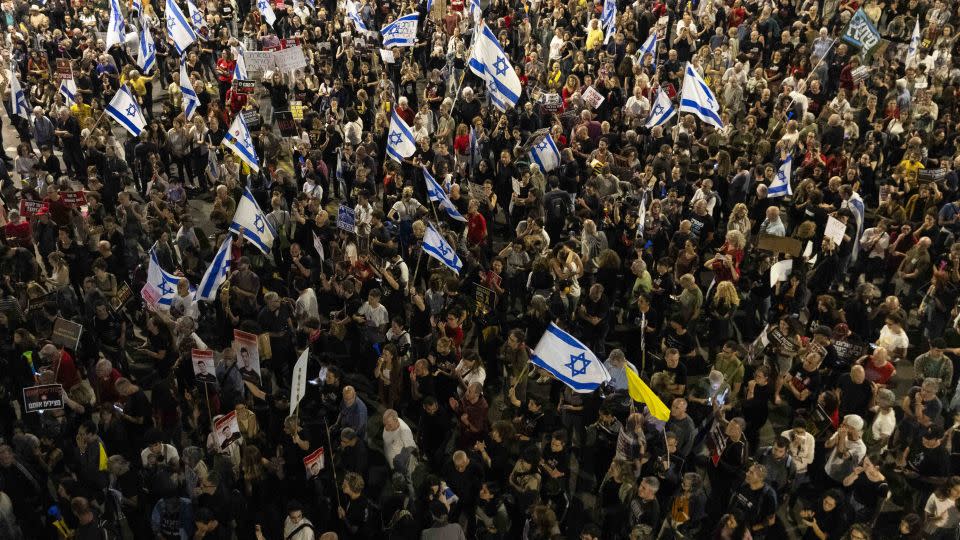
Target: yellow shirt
<point x="911" y="168"/>
<point x="594" y="38"/>
<point x="138" y="86"/>
<point x="82" y="112"/>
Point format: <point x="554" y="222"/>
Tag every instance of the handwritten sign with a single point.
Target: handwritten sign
<point x="258" y="61"/>
<point x="592" y="98"/>
<point x="290" y="59"/>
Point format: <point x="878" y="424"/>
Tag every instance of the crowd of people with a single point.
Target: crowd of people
<point x="804" y="339"/>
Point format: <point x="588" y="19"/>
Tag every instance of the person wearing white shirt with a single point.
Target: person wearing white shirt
<point x="773" y="224"/>
<point x="846" y="448"/>
<point x="637" y="105"/>
<point x="874" y="243"/>
<point x="802" y="448"/>
<point x="398" y="441"/>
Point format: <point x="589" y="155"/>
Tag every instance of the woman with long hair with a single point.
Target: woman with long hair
<point x="723" y="305"/>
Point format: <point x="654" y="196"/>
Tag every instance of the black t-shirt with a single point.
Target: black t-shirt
<point x="701" y="227"/>
<point x="929" y="462"/>
<point x="801" y="380"/>
<point x="684" y="343"/>
<point x="854" y="398"/>
<point x="679" y="373"/>
<point x="754" y="505"/>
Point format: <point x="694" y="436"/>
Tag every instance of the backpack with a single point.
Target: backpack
<point x="557" y="210"/>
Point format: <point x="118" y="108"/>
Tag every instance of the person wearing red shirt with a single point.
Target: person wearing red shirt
<point x="62" y="364"/>
<point x="105" y="382"/>
<point x="225" y="67"/>
<point x="18" y="231"/>
<point x="877" y="366"/>
<point x="451" y="328"/>
<point x="235" y="101"/>
<point x="404" y="111"/>
<point x="476" y="225"/>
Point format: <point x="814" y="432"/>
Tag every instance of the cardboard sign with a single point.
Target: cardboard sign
<point x="73" y="199"/>
<point x="244" y="87"/>
<point x="258" y="61"/>
<point x="835" y="230"/>
<point x="296" y="109"/>
<point x="66" y="333"/>
<point x="204" y="369"/>
<point x="30" y="208"/>
<point x="150" y="296"/>
<point x="284" y="120"/>
<point x="347" y="219"/>
<point x="290" y="59"/>
<point x="123" y="295"/>
<point x="592" y="98"/>
<point x="64" y="69"/>
<point x="252" y="118"/>
<point x="780" y="244"/>
<point x="226" y="430"/>
<point x="314" y="463"/>
<point x="246" y="347"/>
<point x="46" y="397"/>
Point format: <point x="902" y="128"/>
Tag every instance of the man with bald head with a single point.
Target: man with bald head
<point x="856" y="392"/>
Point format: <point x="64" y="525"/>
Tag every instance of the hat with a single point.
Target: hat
<point x="854" y="421"/>
<point x="34" y="8"/>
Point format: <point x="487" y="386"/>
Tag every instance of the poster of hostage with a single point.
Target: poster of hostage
<point x="245" y="345"/>
<point x="226" y="430"/>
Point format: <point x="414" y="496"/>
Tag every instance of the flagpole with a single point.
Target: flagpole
<point x="95" y="125"/>
<point x="333" y="468"/>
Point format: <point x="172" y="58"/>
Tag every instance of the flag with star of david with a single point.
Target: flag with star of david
<point x="697" y="98"/>
<point x="240" y="65"/>
<point x="197" y="20"/>
<point x="545" y="154"/>
<point x="400" y="141"/>
<point x="117" y="27"/>
<point x="18" y="99"/>
<point x="124" y="109"/>
<point x="436" y="194"/>
<point x="239" y="140"/>
<point x="569" y="360"/>
<point x="250" y="221"/>
<point x="147" y="51"/>
<point x="178" y="28"/>
<point x="190" y="98"/>
<point x="68" y="87"/>
<point x="216" y="273"/>
<point x="162" y="283"/>
<point x="662" y="110"/>
<point x="780" y="185"/>
<point x="267" y="11"/>
<point x="401" y="32"/>
<point x="437" y="247"/>
<point x="489" y="62"/>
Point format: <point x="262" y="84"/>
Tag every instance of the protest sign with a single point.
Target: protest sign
<point x="203" y="366"/>
<point x="592" y="98"/>
<point x="244" y="87"/>
<point x="314" y="463"/>
<point x="387" y="56"/>
<point x="780" y="244"/>
<point x="30" y="207"/>
<point x="123" y="294"/>
<point x="290" y="59"/>
<point x="73" y="199"/>
<point x="835" y="230"/>
<point x="285" y="122"/>
<point x="258" y="61"/>
<point x="716" y="442"/>
<point x="226" y="430"/>
<point x="41" y="398"/>
<point x="484" y="298"/>
<point x="298" y="381"/>
<point x="66" y="333"/>
<point x="347" y="219"/>
<point x="252" y="118"/>
<point x="296" y="109"/>
<point x="64" y="69"/>
<point x="246" y="347"/>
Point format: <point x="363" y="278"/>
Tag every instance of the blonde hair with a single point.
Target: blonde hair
<point x="726" y="292"/>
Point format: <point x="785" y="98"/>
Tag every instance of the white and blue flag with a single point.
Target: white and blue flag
<point x="608" y="17"/>
<point x="124" y="109"/>
<point x="473" y="6"/>
<point x="162" y="283"/>
<point x="68" y="87"/>
<point x="253" y="222"/>
<point x="400" y="141"/>
<point x="697" y="98"/>
<point x="137" y="7"/>
<point x="240" y="66"/>
<point x="354" y="16"/>
<point x="117" y="27"/>
<point x="490" y="63"/>
<point x="197" y="20"/>
<point x="18" y="99"/>
<point x="216" y="273"/>
<point x="267" y="11"/>
<point x="190" y="98"/>
<point x="649" y="47"/>
<point x="569" y="360"/>
<point x="914" y="47"/>
<point x="401" y="32"/>
<point x="239" y="140"/>
<point x="436" y="194"/>
<point x="545" y="154"/>
<point x="662" y="110"/>
<point x="435" y="246"/>
<point x="178" y="28"/>
<point x="147" y="51"/>
<point x="780" y="185"/>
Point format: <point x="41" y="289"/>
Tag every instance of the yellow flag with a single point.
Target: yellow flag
<point x="103" y="457"/>
<point x="639" y="391"/>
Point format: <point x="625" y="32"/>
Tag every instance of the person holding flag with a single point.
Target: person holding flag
<point x="489" y="62"/>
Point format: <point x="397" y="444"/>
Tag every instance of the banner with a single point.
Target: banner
<point x="246" y="346"/>
<point x="258" y="61"/>
<point x="204" y="369"/>
<point x="226" y="430"/>
<point x="30" y="207"/>
<point x="74" y="199"/>
<point x="861" y="33"/>
<point x="314" y="463"/>
<point x="289" y="59"/>
<point x="45" y="397"/>
<point x="66" y="333"/>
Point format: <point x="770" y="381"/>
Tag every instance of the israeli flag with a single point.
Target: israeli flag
<point x="490" y="63"/>
<point x="662" y="110"/>
<point x="267" y="11"/>
<point x="780" y="185"/>
<point x="697" y="98"/>
<point x="68" y="87"/>
<point x="545" y="154"/>
<point x="216" y="273"/>
<point x="253" y="222"/>
<point x="401" y="32"/>
<point x="649" y="47"/>
<point x="400" y="142"/>
<point x="18" y="99"/>
<point x="196" y="19"/>
<point x="473" y="6"/>
<point x="124" y="109"/>
<point x="147" y="52"/>
<point x="436" y="194"/>
<point x="178" y="29"/>
<point x="238" y="139"/>
<point x="354" y="16"/>
<point x="162" y="283"/>
<point x="608" y="17"/>
<point x="914" y="47"/>
<point x="435" y="246"/>
<point x="569" y="360"/>
<point x="117" y="28"/>
<point x="137" y="7"/>
<point x="240" y="67"/>
<point x="190" y="98"/>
